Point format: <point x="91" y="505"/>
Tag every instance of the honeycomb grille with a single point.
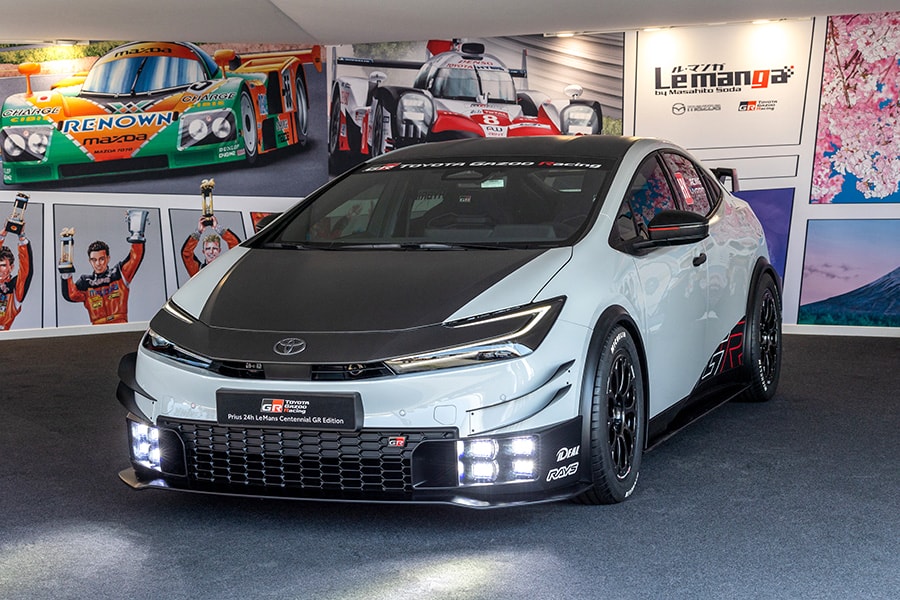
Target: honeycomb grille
<point x="327" y="464"/>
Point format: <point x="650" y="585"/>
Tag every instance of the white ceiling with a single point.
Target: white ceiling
<point x="349" y="21"/>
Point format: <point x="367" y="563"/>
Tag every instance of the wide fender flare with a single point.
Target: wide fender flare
<point x="762" y="267"/>
<point x="612" y="316"/>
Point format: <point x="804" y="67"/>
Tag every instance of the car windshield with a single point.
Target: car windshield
<point x="518" y="203"/>
<point x="143" y="75"/>
<point x="468" y="84"/>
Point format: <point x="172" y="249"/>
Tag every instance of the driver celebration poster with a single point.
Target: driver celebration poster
<point x="746" y="83"/>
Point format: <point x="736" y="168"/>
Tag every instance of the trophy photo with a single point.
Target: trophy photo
<point x="206" y="201"/>
<point x="137" y="223"/>
<point x="66" y="250"/>
<point x="16" y="222"/>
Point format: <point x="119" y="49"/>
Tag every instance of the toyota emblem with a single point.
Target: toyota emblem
<point x="290" y="346"/>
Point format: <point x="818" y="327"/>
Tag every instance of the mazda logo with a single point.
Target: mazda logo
<point x="290" y="346"/>
<point x="678" y="109"/>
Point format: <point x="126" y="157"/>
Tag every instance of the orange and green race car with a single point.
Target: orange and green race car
<point x="156" y="105"/>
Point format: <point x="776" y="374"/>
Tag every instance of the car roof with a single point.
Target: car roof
<point x="552" y="146"/>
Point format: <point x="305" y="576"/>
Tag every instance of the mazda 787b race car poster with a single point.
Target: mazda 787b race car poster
<point x="480" y="322"/>
<point x="156" y="106"/>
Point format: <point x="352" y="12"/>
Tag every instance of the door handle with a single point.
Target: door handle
<point x="700" y="259"/>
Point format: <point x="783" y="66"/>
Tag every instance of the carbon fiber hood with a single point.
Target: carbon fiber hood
<point x="348" y="304"/>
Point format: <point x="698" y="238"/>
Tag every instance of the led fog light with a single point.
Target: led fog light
<point x="497" y="460"/>
<point x="157" y="449"/>
<point x="145" y="446"/>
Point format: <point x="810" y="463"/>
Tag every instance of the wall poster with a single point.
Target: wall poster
<point x="851" y="273"/>
<point x="723" y="86"/>
<point x="857" y="156"/>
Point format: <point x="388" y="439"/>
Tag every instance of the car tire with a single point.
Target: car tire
<point x="249" y="128"/>
<point x="301" y="113"/>
<point x="339" y="160"/>
<point x="618" y="418"/>
<point x="763" y="341"/>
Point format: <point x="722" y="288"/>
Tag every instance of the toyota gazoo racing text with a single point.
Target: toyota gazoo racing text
<point x="460" y="92"/>
<point x="156" y="105"/>
<point x="480" y="322"/>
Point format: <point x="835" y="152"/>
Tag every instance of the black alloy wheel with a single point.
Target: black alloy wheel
<point x="618" y="416"/>
<point x="763" y="343"/>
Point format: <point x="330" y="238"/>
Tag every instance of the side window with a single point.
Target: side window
<point x="648" y="194"/>
<point x="691" y="190"/>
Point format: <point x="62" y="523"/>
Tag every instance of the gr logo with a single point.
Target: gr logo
<point x="272" y="405"/>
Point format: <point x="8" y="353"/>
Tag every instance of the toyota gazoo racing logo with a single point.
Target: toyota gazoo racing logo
<point x="272" y="405"/>
<point x="289" y="346"/>
<point x="756" y="105"/>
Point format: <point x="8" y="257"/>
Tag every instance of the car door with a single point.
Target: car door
<point x="674" y="282"/>
<point x="698" y="194"/>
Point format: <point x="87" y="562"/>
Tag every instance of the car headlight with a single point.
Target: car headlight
<point x="26" y="143"/>
<point x="579" y="119"/>
<point x="415" y="112"/>
<point x="157" y="344"/>
<point x="222" y="128"/>
<point x="528" y="327"/>
<point x="207" y="127"/>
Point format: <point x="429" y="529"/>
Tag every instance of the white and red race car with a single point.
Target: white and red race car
<point x="460" y="92"/>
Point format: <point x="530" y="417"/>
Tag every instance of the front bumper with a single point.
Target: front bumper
<point x="396" y="457"/>
<point x="365" y="465"/>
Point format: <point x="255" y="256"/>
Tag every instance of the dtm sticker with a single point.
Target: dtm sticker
<point x="562" y="472"/>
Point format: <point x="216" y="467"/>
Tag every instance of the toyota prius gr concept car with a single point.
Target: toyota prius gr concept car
<point x="480" y="322"/>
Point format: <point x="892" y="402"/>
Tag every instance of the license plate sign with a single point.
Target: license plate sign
<point x="328" y="412"/>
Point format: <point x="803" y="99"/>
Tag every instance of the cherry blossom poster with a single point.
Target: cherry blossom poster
<point x="857" y="147"/>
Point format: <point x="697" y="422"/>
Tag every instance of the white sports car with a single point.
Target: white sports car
<point x="481" y="322"/>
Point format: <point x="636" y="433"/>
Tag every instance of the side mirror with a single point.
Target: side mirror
<point x="727" y="177"/>
<point x="674" y="228"/>
<point x="224" y="59"/>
